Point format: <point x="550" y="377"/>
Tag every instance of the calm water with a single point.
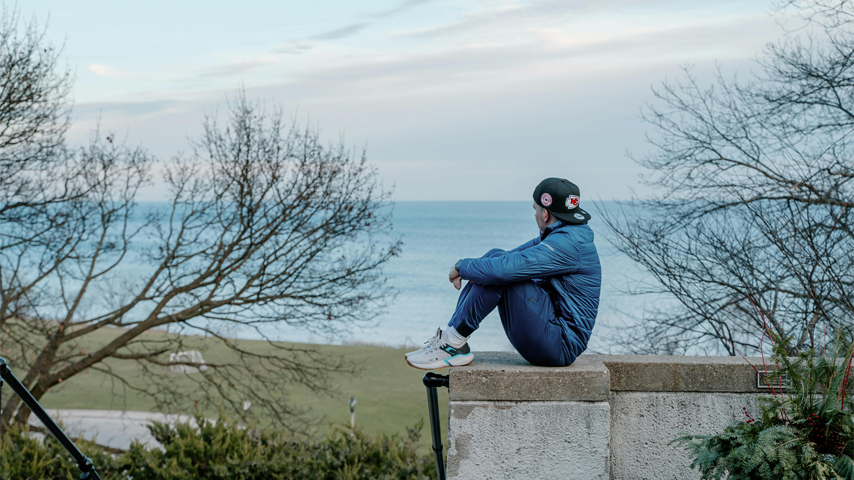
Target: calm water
<point x="437" y="234"/>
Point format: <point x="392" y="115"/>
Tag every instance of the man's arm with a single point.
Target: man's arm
<point x="454" y="275"/>
<point x="530" y="243"/>
<point x="544" y="259"/>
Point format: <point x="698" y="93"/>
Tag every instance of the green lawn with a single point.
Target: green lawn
<point x="389" y="392"/>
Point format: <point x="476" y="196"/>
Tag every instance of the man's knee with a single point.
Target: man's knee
<point x="495" y="252"/>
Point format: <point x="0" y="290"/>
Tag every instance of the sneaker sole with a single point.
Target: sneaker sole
<point x="457" y="361"/>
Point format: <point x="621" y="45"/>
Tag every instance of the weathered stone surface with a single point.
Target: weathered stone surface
<point x="504" y="376"/>
<point x="649" y="373"/>
<point x="644" y="423"/>
<point x="510" y="419"/>
<point x="542" y="440"/>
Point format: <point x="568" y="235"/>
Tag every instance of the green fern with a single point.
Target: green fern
<point x="805" y="432"/>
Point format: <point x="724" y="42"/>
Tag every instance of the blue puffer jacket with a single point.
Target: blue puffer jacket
<point x="564" y="262"/>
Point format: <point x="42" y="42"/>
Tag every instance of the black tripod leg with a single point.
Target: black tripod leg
<point x="83" y="463"/>
<point x="432" y="381"/>
<point x="436" y="428"/>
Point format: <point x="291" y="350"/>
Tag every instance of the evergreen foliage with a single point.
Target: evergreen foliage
<point x="805" y="430"/>
<point x="755" y="451"/>
<point x="222" y="449"/>
<point x="24" y="456"/>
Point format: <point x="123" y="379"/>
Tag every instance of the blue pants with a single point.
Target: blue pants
<point x="527" y="315"/>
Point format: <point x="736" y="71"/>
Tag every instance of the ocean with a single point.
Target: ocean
<point x="436" y="234"/>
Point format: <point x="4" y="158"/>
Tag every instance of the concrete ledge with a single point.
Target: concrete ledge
<point x="648" y="373"/>
<point x="504" y="376"/>
<point x="605" y="416"/>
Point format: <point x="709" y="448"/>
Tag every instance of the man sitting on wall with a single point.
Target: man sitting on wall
<point x="546" y="290"/>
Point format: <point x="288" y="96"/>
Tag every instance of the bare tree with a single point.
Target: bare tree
<point x="33" y="120"/>
<point x="753" y="224"/>
<point x="264" y="225"/>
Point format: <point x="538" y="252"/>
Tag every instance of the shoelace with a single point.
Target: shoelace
<point x="431" y="344"/>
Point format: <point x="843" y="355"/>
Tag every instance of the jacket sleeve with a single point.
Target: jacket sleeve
<point x="528" y="244"/>
<point x="545" y="259"/>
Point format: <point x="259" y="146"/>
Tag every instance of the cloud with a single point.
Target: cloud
<point x="546" y="53"/>
<point x="524" y="88"/>
<point x="352" y="29"/>
<point x="296" y="48"/>
<point x="513" y="13"/>
<point x="107" y="71"/>
<point x="239" y="67"/>
<point x="131" y="109"/>
<point x="407" y="5"/>
<point x="539" y="10"/>
<point x="342" y="32"/>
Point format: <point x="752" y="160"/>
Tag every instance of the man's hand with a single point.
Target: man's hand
<point x="455" y="278"/>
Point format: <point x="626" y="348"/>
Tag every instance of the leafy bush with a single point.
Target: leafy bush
<point x="747" y="451"/>
<point x="209" y="450"/>
<point x="805" y="431"/>
<point x="27" y="457"/>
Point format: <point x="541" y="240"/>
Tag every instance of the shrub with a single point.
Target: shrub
<point x="805" y="430"/>
<point x="24" y="456"/>
<point x="222" y="449"/>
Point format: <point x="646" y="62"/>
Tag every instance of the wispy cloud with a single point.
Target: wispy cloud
<point x="353" y="29"/>
<point x="546" y="56"/>
<point x="487" y="17"/>
<point x="240" y="67"/>
<point x="132" y="109"/>
<point x="515" y="14"/>
<point x="296" y="48"/>
<point x="108" y="72"/>
<point x="407" y="5"/>
<point x="342" y="32"/>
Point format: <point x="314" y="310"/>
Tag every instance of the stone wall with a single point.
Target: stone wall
<point x="604" y="417"/>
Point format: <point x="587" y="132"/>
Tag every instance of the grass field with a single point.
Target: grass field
<point x="389" y="392"/>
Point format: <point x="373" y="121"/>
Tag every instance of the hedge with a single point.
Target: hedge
<point x="222" y="449"/>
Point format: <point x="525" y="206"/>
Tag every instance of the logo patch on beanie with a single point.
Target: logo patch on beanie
<point x="546" y="199"/>
<point x="572" y="202"/>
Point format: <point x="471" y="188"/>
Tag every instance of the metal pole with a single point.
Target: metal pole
<point x="83" y="463"/>
<point x="432" y="381"/>
<point x="1" y="407"/>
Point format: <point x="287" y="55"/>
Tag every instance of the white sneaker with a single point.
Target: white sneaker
<point x="427" y="344"/>
<point x="439" y="354"/>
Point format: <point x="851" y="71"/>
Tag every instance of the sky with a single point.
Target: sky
<point x="452" y="100"/>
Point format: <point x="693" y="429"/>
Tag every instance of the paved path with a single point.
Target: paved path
<point x="109" y="427"/>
